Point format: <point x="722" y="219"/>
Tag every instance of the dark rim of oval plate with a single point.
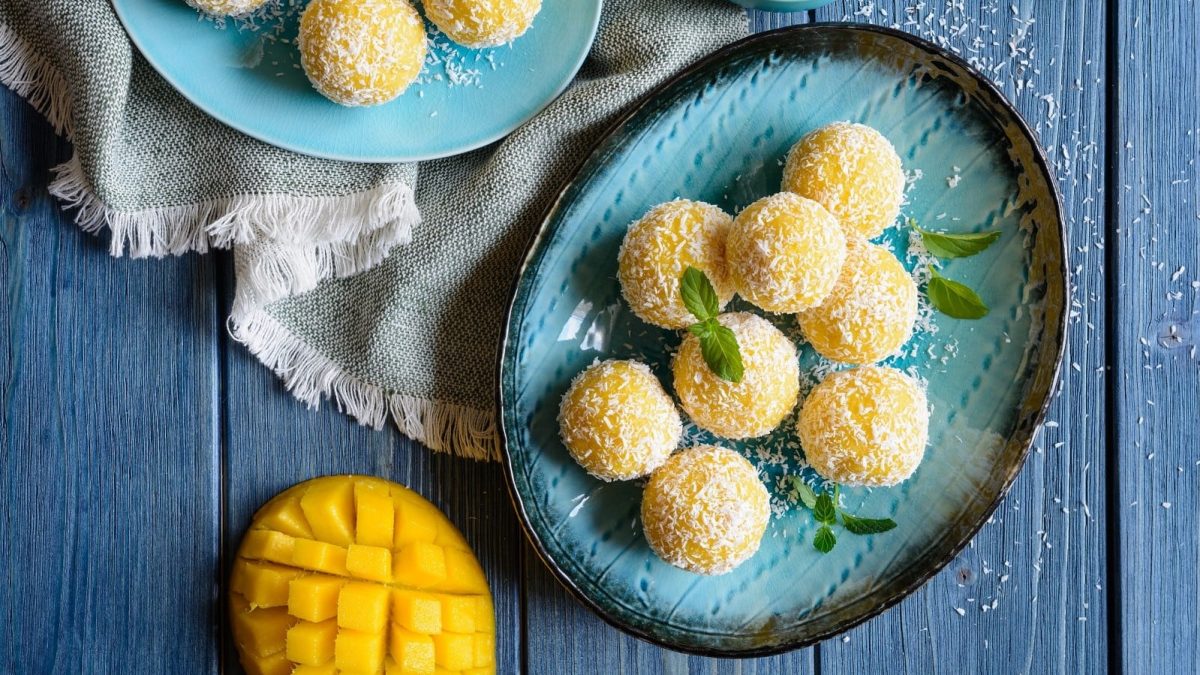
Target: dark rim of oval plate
<point x="1028" y="423"/>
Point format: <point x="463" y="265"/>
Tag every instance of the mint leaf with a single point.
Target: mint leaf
<point x="856" y="525"/>
<point x="953" y="298"/>
<point x="720" y="349"/>
<point x="947" y="245"/>
<point x="806" y="494"/>
<point x="698" y="295"/>
<point x="823" y="510"/>
<point x="824" y="541"/>
<point x="699" y="329"/>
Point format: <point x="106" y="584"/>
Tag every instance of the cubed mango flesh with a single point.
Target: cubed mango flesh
<point x="416" y="611"/>
<point x="320" y="556"/>
<point x="374" y="515"/>
<point x="329" y="508"/>
<point x="351" y="575"/>
<point x="314" y="597"/>
<point x="311" y="643"/>
<point x="369" y="562"/>
<point x="454" y="651"/>
<point x="420" y="565"/>
<point x="358" y="651"/>
<point x="412" y="652"/>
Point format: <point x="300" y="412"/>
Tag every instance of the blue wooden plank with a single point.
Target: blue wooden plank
<point x="1032" y="584"/>
<point x="109" y="524"/>
<point x="1155" y="280"/>
<point x="272" y="441"/>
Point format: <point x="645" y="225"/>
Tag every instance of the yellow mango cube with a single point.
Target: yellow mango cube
<point x="314" y="597"/>
<point x="420" y="565"/>
<point x="485" y="670"/>
<point x="275" y="664"/>
<point x="454" y="651"/>
<point x="263" y="584"/>
<point x="374" y="515"/>
<point x="412" y="652"/>
<point x="449" y="537"/>
<point x="323" y="669"/>
<point x="458" y="612"/>
<point x="485" y="649"/>
<point x="416" y="611"/>
<point x="485" y="618"/>
<point x="358" y="652"/>
<point x="328" y="505"/>
<point x="415" y="522"/>
<point x="363" y="607"/>
<point x="258" y="632"/>
<point x="320" y="557"/>
<point x="267" y="545"/>
<point x="369" y="562"/>
<point x="284" y="515"/>
<point x="463" y="573"/>
<point x="311" y="643"/>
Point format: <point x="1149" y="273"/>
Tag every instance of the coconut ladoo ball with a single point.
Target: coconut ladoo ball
<point x="785" y="253"/>
<point x="361" y="52"/>
<point x="705" y="510"/>
<point x="660" y="246"/>
<point x="227" y="7"/>
<point x="867" y="426"/>
<point x="482" y="23"/>
<point x="762" y="399"/>
<point x="617" y="421"/>
<point x="869" y="314"/>
<point x="853" y="171"/>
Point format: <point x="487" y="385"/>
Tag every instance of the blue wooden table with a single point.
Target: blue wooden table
<point x="136" y="439"/>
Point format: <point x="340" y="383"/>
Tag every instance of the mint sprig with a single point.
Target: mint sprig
<point x="718" y="344"/>
<point x="950" y="245"/>
<point x="953" y="298"/>
<point x="825" y="510"/>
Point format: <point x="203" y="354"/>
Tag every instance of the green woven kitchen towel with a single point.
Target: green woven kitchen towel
<point x="382" y="287"/>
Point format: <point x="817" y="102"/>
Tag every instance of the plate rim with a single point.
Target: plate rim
<point x="191" y="97"/>
<point x="544" y="230"/>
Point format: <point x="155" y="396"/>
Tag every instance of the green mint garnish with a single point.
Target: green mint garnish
<point x="718" y="344"/>
<point x="947" y="245"/>
<point x="826" y="511"/>
<point x="953" y="298"/>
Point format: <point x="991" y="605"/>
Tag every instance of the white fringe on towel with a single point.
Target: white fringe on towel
<point x="310" y="376"/>
<point x="284" y="247"/>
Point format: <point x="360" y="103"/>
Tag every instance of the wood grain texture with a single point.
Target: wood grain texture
<point x="271" y="441"/>
<point x="1155" y="263"/>
<point x="1032" y="584"/>
<point x="109" y="501"/>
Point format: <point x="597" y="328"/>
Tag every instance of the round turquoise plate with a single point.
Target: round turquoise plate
<point x="246" y="74"/>
<point x="718" y="133"/>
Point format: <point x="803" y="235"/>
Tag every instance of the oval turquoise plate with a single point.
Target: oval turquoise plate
<point x="247" y="75"/>
<point x="718" y="133"/>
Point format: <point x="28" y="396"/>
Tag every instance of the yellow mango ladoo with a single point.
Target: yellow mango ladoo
<point x="361" y="575"/>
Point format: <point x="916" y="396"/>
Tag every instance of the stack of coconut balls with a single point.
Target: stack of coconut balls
<point x="367" y="52"/>
<point x="803" y="251"/>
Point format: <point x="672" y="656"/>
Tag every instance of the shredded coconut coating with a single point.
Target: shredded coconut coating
<point x="226" y="7"/>
<point x="361" y="52"/>
<point x="657" y="249"/>
<point x="617" y="421"/>
<point x="482" y="23"/>
<point x="766" y="394"/>
<point x="785" y="253"/>
<point x="869" y="314"/>
<point x="853" y="171"/>
<point x="705" y="510"/>
<point x="867" y="426"/>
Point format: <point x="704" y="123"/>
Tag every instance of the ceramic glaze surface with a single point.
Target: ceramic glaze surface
<point x="719" y="134"/>
<point x="250" y="79"/>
